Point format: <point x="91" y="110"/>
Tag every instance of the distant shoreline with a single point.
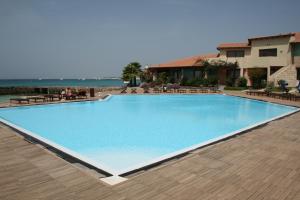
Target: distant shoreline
<point x="105" y="82"/>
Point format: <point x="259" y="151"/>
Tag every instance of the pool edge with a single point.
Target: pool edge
<point x="153" y="162"/>
<point x="201" y="145"/>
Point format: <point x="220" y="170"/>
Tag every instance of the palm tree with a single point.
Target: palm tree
<point x="131" y="71"/>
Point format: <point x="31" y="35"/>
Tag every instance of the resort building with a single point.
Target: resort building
<point x="278" y="55"/>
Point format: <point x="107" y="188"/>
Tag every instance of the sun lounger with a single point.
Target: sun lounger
<point x="156" y="90"/>
<point x="82" y="95"/>
<point x="71" y="97"/>
<point x="281" y="95"/>
<point x="193" y="90"/>
<point x="182" y="91"/>
<point x="52" y="97"/>
<point x="214" y="90"/>
<point x="203" y="90"/>
<point x="20" y="100"/>
<point x="37" y="98"/>
<point x="257" y="92"/>
<point x="295" y="96"/>
<point x="298" y="87"/>
<point x="169" y="91"/>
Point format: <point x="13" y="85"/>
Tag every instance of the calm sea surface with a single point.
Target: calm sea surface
<point x="61" y="83"/>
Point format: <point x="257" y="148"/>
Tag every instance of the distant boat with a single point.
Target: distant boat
<point x="61" y="79"/>
<point x="40" y="79"/>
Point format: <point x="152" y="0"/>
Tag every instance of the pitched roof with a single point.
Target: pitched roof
<point x="185" y="62"/>
<point x="271" y="36"/>
<point x="233" y="45"/>
<point x="297" y="38"/>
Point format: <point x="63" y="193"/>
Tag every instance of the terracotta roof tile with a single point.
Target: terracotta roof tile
<point x="185" y="62"/>
<point x="297" y="37"/>
<point x="233" y="45"/>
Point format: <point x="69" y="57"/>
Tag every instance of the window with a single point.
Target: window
<point x="235" y="53"/>
<point x="267" y="52"/>
<point x="298" y="73"/>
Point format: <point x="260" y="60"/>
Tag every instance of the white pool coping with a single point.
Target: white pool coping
<point x="114" y="173"/>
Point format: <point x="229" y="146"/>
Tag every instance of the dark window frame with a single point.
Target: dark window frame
<point x="235" y="53"/>
<point x="268" y="52"/>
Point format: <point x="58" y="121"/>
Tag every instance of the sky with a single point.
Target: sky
<point x="97" y="38"/>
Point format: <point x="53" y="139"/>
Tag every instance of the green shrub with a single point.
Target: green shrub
<point x="163" y="77"/>
<point x="171" y="79"/>
<point x="270" y="87"/>
<point x="189" y="82"/>
<point x="229" y="82"/>
<point x="235" y="88"/>
<point x="258" y="77"/>
<point x="212" y="80"/>
<point x="184" y="81"/>
<point x="242" y="82"/>
<point x="205" y="82"/>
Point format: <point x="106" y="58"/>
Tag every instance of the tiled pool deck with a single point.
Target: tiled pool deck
<point x="261" y="164"/>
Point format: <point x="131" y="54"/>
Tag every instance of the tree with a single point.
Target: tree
<point x="258" y="77"/>
<point x="212" y="68"/>
<point x="130" y="72"/>
<point x="163" y="78"/>
<point x="146" y="76"/>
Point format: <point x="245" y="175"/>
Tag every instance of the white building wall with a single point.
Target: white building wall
<point x="253" y="60"/>
<point x="283" y="57"/>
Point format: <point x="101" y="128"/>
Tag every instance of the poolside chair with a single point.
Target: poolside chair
<point x="193" y="90"/>
<point x="169" y="90"/>
<point x="215" y="89"/>
<point x="133" y="91"/>
<point x="298" y="87"/>
<point x="182" y="91"/>
<point x="283" y="85"/>
<point x="124" y="90"/>
<point x="261" y="92"/>
<point x="52" y="97"/>
<point x="82" y="94"/>
<point x="146" y="90"/>
<point x="70" y="96"/>
<point x="203" y="90"/>
<point x="293" y="94"/>
<point x="156" y="90"/>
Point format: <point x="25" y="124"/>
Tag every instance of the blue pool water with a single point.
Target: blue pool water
<point x="128" y="132"/>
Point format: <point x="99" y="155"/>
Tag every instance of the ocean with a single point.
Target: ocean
<point x="61" y="83"/>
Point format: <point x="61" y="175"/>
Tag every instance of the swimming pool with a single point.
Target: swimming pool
<point x="125" y="133"/>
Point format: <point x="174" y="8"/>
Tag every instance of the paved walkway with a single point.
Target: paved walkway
<point x="264" y="163"/>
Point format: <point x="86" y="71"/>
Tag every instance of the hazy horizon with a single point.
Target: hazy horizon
<point x="88" y="39"/>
